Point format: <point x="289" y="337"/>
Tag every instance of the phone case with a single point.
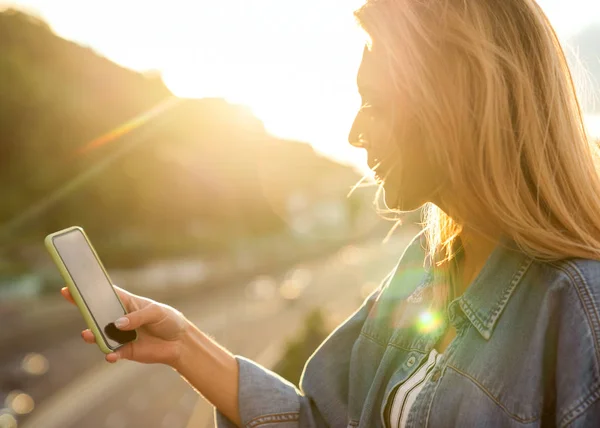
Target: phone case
<point x="89" y="320"/>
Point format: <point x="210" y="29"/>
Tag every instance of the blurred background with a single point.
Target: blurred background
<point x="202" y="146"/>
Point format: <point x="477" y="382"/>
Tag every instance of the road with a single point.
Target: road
<point x="249" y="319"/>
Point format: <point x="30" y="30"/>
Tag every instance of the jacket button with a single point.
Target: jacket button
<point x="411" y="361"/>
<point x="436" y="375"/>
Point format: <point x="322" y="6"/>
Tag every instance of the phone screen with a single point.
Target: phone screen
<point x="93" y="285"/>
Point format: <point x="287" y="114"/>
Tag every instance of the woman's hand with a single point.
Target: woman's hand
<point x="160" y="330"/>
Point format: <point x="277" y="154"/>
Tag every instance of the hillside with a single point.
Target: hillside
<point x="197" y="165"/>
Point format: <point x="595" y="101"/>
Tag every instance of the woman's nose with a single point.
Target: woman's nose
<point x="356" y="138"/>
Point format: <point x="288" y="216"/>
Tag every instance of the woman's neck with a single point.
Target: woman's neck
<point x="476" y="250"/>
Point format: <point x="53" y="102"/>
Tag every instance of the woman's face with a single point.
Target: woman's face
<point x="384" y="128"/>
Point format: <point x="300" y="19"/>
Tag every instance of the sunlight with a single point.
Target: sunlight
<point x="429" y="321"/>
<point x="593" y="125"/>
<point x="129" y="126"/>
<point x="295" y="71"/>
<point x="293" y="63"/>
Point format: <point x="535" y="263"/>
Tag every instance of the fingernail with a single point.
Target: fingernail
<point x="122" y="322"/>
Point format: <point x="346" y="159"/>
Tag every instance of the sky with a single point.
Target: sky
<point x="293" y="63"/>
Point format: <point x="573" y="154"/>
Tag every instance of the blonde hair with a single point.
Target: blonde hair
<point x="495" y="103"/>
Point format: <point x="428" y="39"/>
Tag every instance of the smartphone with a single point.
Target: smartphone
<point x="90" y="286"/>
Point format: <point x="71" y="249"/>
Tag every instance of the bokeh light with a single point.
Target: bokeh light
<point x="7" y="420"/>
<point x="20" y="402"/>
<point x="349" y="255"/>
<point x="35" y="364"/>
<point x="429" y="321"/>
<point x="291" y="290"/>
<point x="263" y="287"/>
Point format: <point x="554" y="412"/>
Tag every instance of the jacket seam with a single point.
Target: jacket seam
<point x="492" y="317"/>
<point x="372" y="339"/>
<point x="587" y="302"/>
<point x="574" y="274"/>
<point x="420" y="351"/>
<point x="494" y="399"/>
<point x="474" y="319"/>
<point x="428" y="414"/>
<point x="580" y="410"/>
<point x="256" y="422"/>
<point x="486" y="325"/>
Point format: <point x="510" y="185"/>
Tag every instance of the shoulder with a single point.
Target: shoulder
<point x="577" y="283"/>
<point x="581" y="274"/>
<point x="572" y="289"/>
<point x="571" y="296"/>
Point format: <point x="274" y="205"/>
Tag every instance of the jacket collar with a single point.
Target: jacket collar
<point x="486" y="297"/>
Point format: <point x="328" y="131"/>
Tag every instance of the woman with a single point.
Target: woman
<point x="469" y="107"/>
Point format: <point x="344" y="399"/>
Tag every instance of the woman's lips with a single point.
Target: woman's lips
<point x="373" y="163"/>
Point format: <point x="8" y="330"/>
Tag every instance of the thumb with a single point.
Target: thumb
<point x="124" y="352"/>
<point x="150" y="314"/>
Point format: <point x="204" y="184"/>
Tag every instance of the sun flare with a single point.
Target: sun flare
<point x="293" y="63"/>
<point x="295" y="72"/>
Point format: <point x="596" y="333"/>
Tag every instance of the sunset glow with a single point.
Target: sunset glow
<point x="293" y="63"/>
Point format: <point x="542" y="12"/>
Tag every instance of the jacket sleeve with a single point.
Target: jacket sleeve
<point x="590" y="417"/>
<point x="577" y="345"/>
<point x="266" y="398"/>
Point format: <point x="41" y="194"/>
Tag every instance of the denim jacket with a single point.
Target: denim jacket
<point x="526" y="353"/>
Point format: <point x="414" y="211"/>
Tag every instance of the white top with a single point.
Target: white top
<point x="407" y="392"/>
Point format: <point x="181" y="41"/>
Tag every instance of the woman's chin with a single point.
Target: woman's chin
<point x="394" y="200"/>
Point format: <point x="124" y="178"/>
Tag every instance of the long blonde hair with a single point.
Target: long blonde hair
<point x="493" y="95"/>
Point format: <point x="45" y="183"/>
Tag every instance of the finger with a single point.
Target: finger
<point x="150" y="314"/>
<point x="112" y="357"/>
<point x="132" y="302"/>
<point x="125" y="352"/>
<point x="67" y="295"/>
<point x="88" y="336"/>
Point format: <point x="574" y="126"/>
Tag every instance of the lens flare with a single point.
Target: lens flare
<point x="130" y="125"/>
<point x="429" y="321"/>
